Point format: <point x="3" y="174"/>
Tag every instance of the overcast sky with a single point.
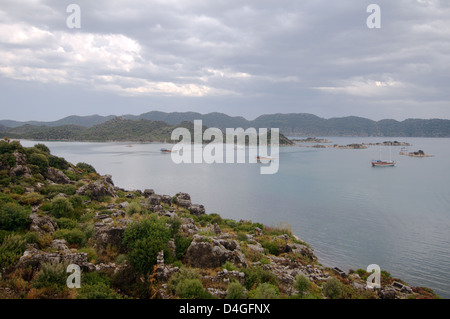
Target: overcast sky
<point x="233" y="56"/>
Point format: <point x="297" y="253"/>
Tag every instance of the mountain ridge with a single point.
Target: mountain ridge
<point x="290" y="124"/>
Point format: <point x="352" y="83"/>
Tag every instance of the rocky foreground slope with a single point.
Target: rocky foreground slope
<point x="138" y="244"/>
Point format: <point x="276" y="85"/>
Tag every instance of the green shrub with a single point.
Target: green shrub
<point x="332" y="288"/>
<point x="43" y="148"/>
<point x="66" y="223"/>
<point x="229" y="266"/>
<point x="86" y="167"/>
<point x="53" y="275"/>
<point x="71" y="175"/>
<point x="52" y="190"/>
<point x="302" y="284"/>
<point x="134" y="208"/>
<point x="264" y="291"/>
<point x="63" y="208"/>
<point x="256" y="274"/>
<point x="98" y="291"/>
<point x="5" y="198"/>
<point x="145" y="239"/>
<point x="184" y="273"/>
<point x="13" y="217"/>
<point x="94" y="278"/>
<point x="91" y="253"/>
<point x="191" y="289"/>
<point x="31" y="199"/>
<point x="73" y="236"/>
<point x="235" y="291"/>
<point x="271" y="246"/>
<point x="18" y="190"/>
<point x="11" y="250"/>
<point x="58" y="162"/>
<point x="40" y="160"/>
<point x="122" y="258"/>
<point x="182" y="243"/>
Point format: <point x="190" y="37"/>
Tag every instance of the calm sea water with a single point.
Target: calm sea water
<point x="353" y="215"/>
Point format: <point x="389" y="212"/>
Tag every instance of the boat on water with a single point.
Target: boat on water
<point x="384" y="163"/>
<point x="165" y="150"/>
<point x="261" y="159"/>
<point x="380" y="163"/>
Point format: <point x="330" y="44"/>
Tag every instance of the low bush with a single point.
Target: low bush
<point x="66" y="223"/>
<point x="264" y="291"/>
<point x="191" y="289"/>
<point x="63" y="208"/>
<point x="86" y="167"/>
<point x="51" y="274"/>
<point x="144" y="240"/>
<point x="332" y="288"/>
<point x="302" y="284"/>
<point x="235" y="291"/>
<point x="13" y="217"/>
<point x="11" y="250"/>
<point x="255" y="275"/>
<point x="73" y="236"/>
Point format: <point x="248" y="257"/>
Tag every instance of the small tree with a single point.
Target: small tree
<point x="302" y="284"/>
<point x="235" y="291"/>
<point x="333" y="288"/>
<point x="62" y="208"/>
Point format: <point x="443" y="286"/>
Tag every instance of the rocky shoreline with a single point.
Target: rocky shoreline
<point x="139" y="244"/>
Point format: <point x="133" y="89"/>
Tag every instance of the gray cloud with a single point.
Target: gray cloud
<point x="237" y="57"/>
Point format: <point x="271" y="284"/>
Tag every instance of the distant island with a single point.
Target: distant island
<point x="419" y="153"/>
<point x="312" y="140"/>
<point x="345" y="147"/>
<point x="389" y="143"/>
<point x="293" y="124"/>
<point x="118" y="129"/>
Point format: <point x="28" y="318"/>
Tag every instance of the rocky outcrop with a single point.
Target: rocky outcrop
<point x="20" y="170"/>
<point x="56" y="176"/>
<point x="197" y="210"/>
<point x="42" y="224"/>
<point x="97" y="190"/>
<point x="107" y="236"/>
<point x="205" y="252"/>
<point x="34" y="257"/>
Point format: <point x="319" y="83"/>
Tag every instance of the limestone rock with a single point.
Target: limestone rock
<point x="197" y="210"/>
<point x="57" y="176"/>
<point x="105" y="236"/>
<point x="96" y="190"/>
<point x="211" y="253"/>
<point x="42" y="224"/>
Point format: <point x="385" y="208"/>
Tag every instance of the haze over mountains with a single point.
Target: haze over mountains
<point x="294" y="124"/>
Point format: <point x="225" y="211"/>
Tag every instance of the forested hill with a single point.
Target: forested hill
<point x="294" y="124"/>
<point x="117" y="129"/>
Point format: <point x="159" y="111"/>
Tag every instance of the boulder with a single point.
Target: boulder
<point x="96" y="190"/>
<point x="57" y="176"/>
<point x="105" y="236"/>
<point x="301" y="250"/>
<point x="205" y="252"/>
<point x="166" y="199"/>
<point x="20" y="170"/>
<point x="42" y="224"/>
<point x="148" y="193"/>
<point x="154" y="200"/>
<point x="34" y="258"/>
<point x="387" y="294"/>
<point x="196" y="210"/>
<point x="108" y="179"/>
